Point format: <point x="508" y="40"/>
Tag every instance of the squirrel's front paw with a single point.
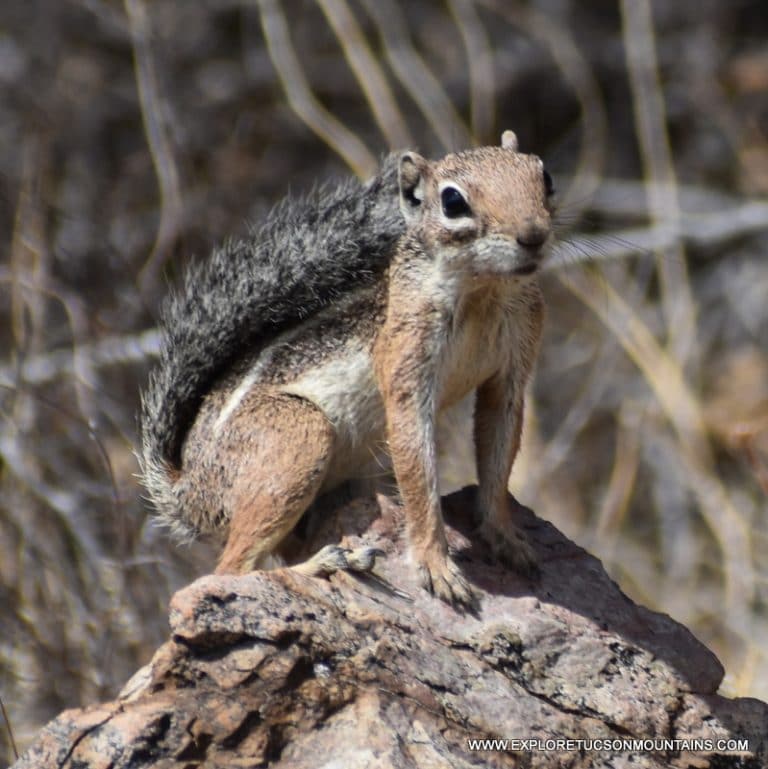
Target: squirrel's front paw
<point x="510" y="546"/>
<point x="443" y="578"/>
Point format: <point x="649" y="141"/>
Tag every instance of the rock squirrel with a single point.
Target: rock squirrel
<point x="353" y="320"/>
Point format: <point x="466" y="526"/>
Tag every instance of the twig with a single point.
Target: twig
<point x="75" y="313"/>
<point x="682" y="409"/>
<point x="650" y="122"/>
<point x="301" y="99"/>
<point x="29" y="247"/>
<point x="368" y="72"/>
<point x="29" y="257"/>
<point x="171" y="206"/>
<point x="482" y="78"/>
<point x="68" y="505"/>
<point x="628" y="198"/>
<point x="623" y="475"/>
<point x="414" y="75"/>
<point x="108" y="351"/>
<point x="710" y="230"/>
<point x="9" y="729"/>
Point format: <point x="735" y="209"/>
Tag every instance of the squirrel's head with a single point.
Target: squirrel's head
<point x="484" y="212"/>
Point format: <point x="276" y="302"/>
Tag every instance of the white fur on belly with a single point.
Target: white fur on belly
<point x="344" y="389"/>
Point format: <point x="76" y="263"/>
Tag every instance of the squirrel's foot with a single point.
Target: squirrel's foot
<point x="443" y="578"/>
<point x="510" y="546"/>
<point x="333" y="558"/>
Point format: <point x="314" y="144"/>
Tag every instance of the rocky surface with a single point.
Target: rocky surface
<point x="277" y="669"/>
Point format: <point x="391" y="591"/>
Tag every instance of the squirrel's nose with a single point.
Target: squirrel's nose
<point x="533" y="234"/>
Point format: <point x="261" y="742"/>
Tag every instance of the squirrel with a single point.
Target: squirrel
<point x="355" y="318"/>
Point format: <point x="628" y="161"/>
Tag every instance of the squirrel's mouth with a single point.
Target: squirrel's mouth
<point x="526" y="269"/>
<point x="498" y="256"/>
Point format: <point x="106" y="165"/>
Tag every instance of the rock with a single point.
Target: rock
<point x="282" y="670"/>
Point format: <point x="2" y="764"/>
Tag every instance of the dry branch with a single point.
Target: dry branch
<point x="299" y="94"/>
<point x="651" y="122"/>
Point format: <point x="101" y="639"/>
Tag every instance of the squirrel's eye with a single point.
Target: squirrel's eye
<point x="549" y="185"/>
<point x="454" y="204"/>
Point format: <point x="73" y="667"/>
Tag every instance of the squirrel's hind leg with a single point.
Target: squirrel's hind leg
<point x="282" y="446"/>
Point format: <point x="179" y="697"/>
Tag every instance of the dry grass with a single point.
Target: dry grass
<point x="139" y="134"/>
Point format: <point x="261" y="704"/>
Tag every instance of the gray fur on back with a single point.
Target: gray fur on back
<point x="307" y="253"/>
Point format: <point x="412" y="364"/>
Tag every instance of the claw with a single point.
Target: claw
<point x="364" y="558"/>
<point x="443" y="578"/>
<point x="510" y="546"/>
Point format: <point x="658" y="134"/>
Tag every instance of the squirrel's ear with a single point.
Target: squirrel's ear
<point x="411" y="181"/>
<point x="509" y="141"/>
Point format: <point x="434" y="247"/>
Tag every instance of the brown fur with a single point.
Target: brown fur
<point x="457" y="311"/>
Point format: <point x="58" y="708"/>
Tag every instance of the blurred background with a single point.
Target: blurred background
<point x="134" y="136"/>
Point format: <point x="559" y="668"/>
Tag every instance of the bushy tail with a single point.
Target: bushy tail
<point x="163" y="484"/>
<point x="306" y="254"/>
